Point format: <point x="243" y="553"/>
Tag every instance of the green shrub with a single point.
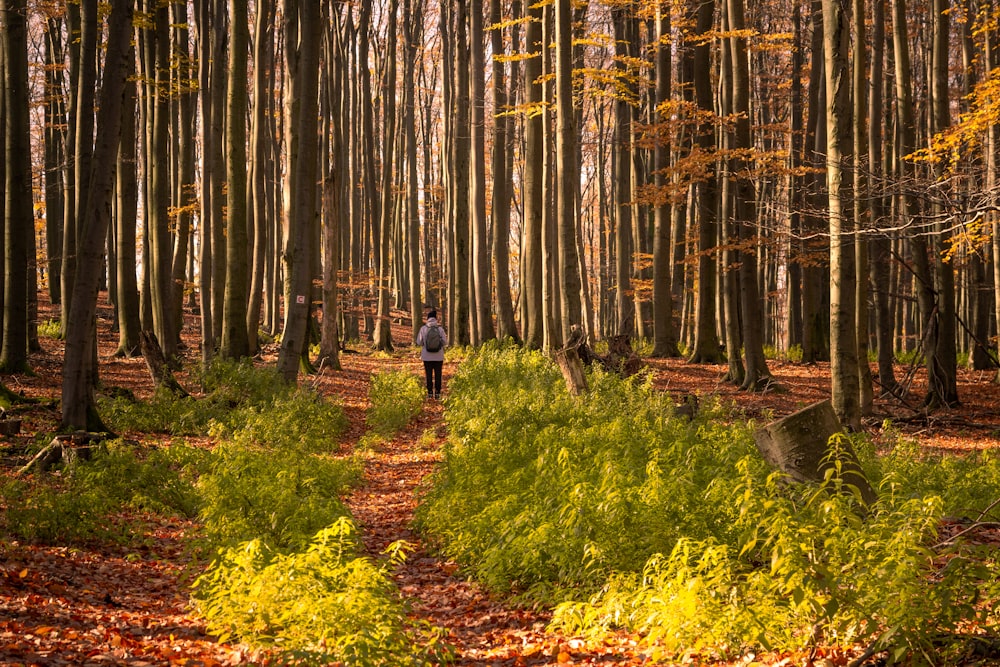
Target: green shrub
<point x="77" y="504"/>
<point x="281" y="497"/>
<point x="238" y="396"/>
<point x="690" y="540"/>
<point x="302" y="421"/>
<point x="321" y="605"/>
<point x="160" y="480"/>
<point x="50" y="329"/>
<point x="42" y="511"/>
<point x="396" y="397"/>
<point x="541" y="490"/>
<point x="809" y="569"/>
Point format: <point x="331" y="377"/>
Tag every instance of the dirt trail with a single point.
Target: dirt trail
<point x="485" y="629"/>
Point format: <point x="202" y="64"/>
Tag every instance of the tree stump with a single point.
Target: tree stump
<point x="572" y="370"/>
<point x="67" y="449"/>
<point x="799" y="445"/>
<point x="622" y="359"/>
<point x="157" y="364"/>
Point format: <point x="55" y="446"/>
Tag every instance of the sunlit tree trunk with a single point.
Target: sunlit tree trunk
<point x="566" y="172"/>
<point x="261" y="166"/>
<point x="183" y="140"/>
<point x="757" y="374"/>
<point x="664" y="332"/>
<point x="160" y="260"/>
<point x="481" y="269"/>
<point x="127" y="201"/>
<point x="534" y="157"/>
<point x="503" y="145"/>
<point x="235" y="342"/>
<point x="621" y="149"/>
<point x="706" y="344"/>
<point x="881" y="245"/>
<point x="861" y="207"/>
<point x="302" y="34"/>
<point x="843" y="341"/>
<point x="943" y="379"/>
<point x="383" y="330"/>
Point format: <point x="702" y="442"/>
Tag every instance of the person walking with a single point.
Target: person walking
<point x="432" y="340"/>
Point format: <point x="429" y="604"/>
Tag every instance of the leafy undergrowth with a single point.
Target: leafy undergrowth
<point x="119" y="591"/>
<point x="632" y="518"/>
<point x="287" y="574"/>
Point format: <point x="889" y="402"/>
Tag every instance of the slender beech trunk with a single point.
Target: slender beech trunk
<point x="78" y="408"/>
<point x="302" y="36"/>
<point x="235" y="342"/>
<point x="534" y="157"/>
<point x="843" y="341"/>
<point x="18" y="210"/>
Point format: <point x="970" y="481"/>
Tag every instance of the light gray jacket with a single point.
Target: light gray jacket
<point x="424" y="354"/>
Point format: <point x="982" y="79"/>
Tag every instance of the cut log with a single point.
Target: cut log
<point x="799" y="445"/>
<point x="572" y="370"/>
<point x="157" y="364"/>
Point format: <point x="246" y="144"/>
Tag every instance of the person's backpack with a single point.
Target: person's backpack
<point x="433" y="341"/>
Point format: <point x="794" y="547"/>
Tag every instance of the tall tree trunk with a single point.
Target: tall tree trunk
<point x="413" y="17"/>
<point x="184" y="158"/>
<point x="861" y="208"/>
<point x="706" y="344"/>
<point x="383" y="328"/>
<point x="302" y="36"/>
<point x="55" y="154"/>
<point x="567" y="173"/>
<point x="260" y="165"/>
<point x="127" y="202"/>
<point x="460" y="325"/>
<point x="235" y="342"/>
<point x="664" y="331"/>
<point x="757" y="374"/>
<point x="503" y="144"/>
<point x="477" y="192"/>
<point x="943" y="380"/>
<point x="19" y="217"/>
<point x="78" y="409"/>
<point x="843" y="341"/>
<point x="881" y="245"/>
<point x="534" y="157"/>
<point x="621" y="149"/>
<point x="158" y="161"/>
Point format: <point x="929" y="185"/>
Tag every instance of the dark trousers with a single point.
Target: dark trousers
<point x="432" y="370"/>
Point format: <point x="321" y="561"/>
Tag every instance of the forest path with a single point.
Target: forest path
<point x="484" y="628"/>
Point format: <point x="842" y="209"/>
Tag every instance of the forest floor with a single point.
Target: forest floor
<point x="128" y="604"/>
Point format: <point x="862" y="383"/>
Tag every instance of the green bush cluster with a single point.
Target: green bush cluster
<point x="396" y="397"/>
<point x="279" y="496"/>
<point x="318" y="605"/>
<point x="233" y="392"/>
<point x="540" y="489"/>
<point x="676" y="529"/>
<point x="76" y="505"/>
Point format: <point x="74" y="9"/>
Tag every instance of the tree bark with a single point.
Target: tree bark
<point x="18" y="206"/>
<point x="78" y="409"/>
<point x="302" y="26"/>
<point x="800" y="446"/>
<point x="843" y="327"/>
<point x="235" y="341"/>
